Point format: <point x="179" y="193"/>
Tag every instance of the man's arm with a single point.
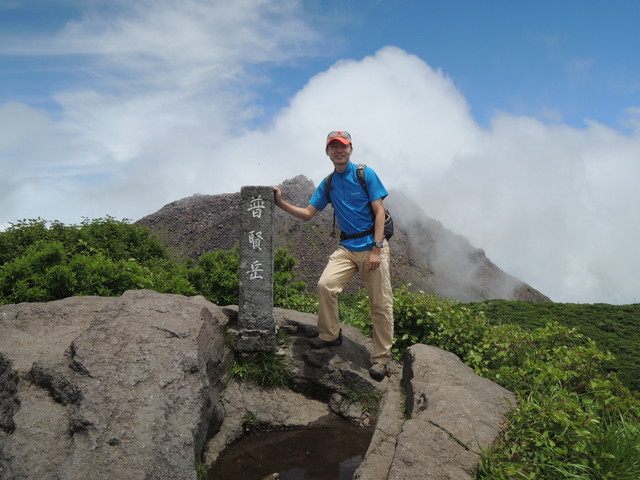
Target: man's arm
<point x="305" y="214"/>
<point x="378" y="233"/>
<point x="379" y="216"/>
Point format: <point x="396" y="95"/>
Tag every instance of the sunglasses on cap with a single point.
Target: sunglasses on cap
<point x="340" y="135"/>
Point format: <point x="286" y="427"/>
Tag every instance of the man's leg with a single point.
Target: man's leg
<point x="378" y="285"/>
<point x="340" y="269"/>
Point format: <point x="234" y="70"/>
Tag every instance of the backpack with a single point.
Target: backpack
<point x="388" y="221"/>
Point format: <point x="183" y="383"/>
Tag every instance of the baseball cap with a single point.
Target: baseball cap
<point x="340" y="135"/>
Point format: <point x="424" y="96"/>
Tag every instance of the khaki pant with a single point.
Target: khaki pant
<point x="342" y="267"/>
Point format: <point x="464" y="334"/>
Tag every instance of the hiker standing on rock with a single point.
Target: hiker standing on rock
<point x="363" y="248"/>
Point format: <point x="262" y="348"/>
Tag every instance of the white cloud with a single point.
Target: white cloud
<point x="168" y="111"/>
<point x="550" y="204"/>
<point x="165" y="83"/>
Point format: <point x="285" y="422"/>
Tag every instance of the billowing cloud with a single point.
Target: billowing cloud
<point x="158" y="86"/>
<point x="551" y="204"/>
<point x="167" y="107"/>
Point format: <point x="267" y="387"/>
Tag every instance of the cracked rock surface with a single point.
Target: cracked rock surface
<point x="453" y="415"/>
<point x="116" y="387"/>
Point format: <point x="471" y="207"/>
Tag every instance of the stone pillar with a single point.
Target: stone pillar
<point x="256" y="321"/>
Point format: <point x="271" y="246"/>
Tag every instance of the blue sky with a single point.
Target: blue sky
<point x="515" y="123"/>
<point x="563" y="61"/>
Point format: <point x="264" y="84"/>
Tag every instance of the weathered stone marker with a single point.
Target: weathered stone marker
<point x="256" y="322"/>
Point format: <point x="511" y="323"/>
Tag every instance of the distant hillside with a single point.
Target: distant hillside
<point x="424" y="253"/>
<point x="615" y="328"/>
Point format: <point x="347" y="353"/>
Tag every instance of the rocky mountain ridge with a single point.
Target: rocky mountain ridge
<point x="424" y="253"/>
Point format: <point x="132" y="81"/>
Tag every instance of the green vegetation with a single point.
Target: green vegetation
<point x="249" y="422"/>
<point x="262" y="368"/>
<point x="216" y="278"/>
<point x="614" y="328"/>
<point x="201" y="471"/>
<point x="573" y="420"/>
<point x="576" y="417"/>
<point x="368" y="401"/>
<point x="42" y="262"/>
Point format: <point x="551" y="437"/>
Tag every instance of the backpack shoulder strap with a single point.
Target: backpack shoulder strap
<point x="360" y="174"/>
<point x="328" y="187"/>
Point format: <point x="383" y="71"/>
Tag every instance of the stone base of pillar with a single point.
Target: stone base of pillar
<point x="254" y="340"/>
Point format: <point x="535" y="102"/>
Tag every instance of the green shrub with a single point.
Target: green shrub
<point x="22" y="235"/>
<point x="263" y="369"/>
<point x="36" y="275"/>
<point x="355" y="310"/>
<point x="288" y="292"/>
<point x="216" y="276"/>
<point x="556" y="433"/>
<point x="433" y="320"/>
<point x="614" y="328"/>
<point x="43" y="262"/>
<point x="573" y="420"/>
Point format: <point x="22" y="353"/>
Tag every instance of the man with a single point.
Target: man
<point x="363" y="249"/>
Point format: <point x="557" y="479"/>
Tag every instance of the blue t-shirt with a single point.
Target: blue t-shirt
<point x="351" y="204"/>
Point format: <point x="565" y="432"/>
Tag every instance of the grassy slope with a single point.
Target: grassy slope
<point x="615" y="328"/>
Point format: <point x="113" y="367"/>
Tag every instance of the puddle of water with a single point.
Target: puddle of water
<point x="331" y="452"/>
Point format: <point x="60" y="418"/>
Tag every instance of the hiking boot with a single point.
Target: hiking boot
<point x="317" y="342"/>
<point x="378" y="371"/>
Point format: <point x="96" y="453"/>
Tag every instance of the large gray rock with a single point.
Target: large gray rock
<point x="124" y="386"/>
<point x="377" y="460"/>
<point x="136" y="387"/>
<point x="325" y="372"/>
<point x="454" y="415"/>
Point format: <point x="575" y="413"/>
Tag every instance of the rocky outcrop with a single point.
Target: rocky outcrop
<point x="453" y="414"/>
<point x="137" y="387"/>
<point x="424" y="253"/>
<point x="126" y="387"/>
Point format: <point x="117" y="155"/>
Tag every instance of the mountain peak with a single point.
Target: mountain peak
<point x="423" y="252"/>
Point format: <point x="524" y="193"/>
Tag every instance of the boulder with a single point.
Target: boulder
<point x="126" y="387"/>
<point x="454" y="415"/>
<point x="137" y="387"/>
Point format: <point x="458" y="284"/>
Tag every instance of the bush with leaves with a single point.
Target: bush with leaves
<point x="567" y="407"/>
<point x="43" y="262"/>
<point x="289" y="292"/>
<point x="433" y="320"/>
<point x="614" y="328"/>
<point x="115" y="239"/>
<point x="573" y="421"/>
<point x="216" y="278"/>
